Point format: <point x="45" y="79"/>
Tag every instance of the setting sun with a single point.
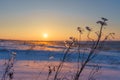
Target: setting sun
<point x="45" y="35"/>
<point x="59" y="39"/>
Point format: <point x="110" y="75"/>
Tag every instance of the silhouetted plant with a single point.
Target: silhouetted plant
<point x="82" y="60"/>
<point x="9" y="70"/>
<point x="69" y="45"/>
<point x="91" y="53"/>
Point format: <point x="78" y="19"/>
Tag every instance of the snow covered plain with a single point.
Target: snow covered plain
<point x="34" y="58"/>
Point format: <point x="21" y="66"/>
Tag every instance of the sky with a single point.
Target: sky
<point x="58" y="19"/>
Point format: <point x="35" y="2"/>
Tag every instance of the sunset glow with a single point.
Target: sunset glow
<point x="45" y="35"/>
<point x="29" y="21"/>
<point x="59" y="39"/>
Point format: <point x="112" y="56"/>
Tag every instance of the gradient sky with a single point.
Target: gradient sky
<point x="30" y="19"/>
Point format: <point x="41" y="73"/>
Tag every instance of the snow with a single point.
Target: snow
<point x="32" y="61"/>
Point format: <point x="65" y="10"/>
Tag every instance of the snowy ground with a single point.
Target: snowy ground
<point x="32" y="61"/>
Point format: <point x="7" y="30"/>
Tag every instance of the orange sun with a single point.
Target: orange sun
<point x="45" y="35"/>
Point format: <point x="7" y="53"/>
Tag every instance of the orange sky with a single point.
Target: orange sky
<point x="29" y="20"/>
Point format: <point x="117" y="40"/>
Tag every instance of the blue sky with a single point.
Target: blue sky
<point x="29" y="19"/>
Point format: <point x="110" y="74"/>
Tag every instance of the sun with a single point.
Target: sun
<point x="45" y="35"/>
